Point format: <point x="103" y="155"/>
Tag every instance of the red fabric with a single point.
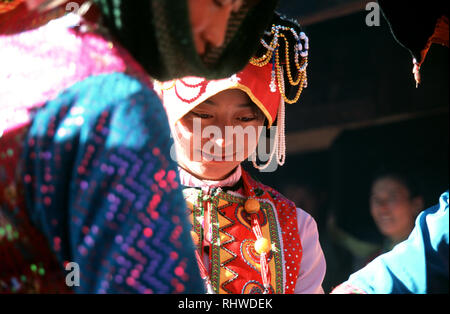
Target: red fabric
<point x="287" y="220"/>
<point x="182" y="95"/>
<point x="440" y="36"/>
<point x="9" y="6"/>
<point x="257" y="79"/>
<point x="27" y="262"/>
<point x="18" y="18"/>
<point x="240" y="230"/>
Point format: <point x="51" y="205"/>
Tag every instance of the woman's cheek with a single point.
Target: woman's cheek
<point x="184" y="140"/>
<point x="251" y="142"/>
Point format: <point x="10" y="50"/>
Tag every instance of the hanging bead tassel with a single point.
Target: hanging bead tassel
<point x="265" y="272"/>
<point x="281" y="130"/>
<point x="279" y="145"/>
<point x="262" y="247"/>
<point x="416" y="72"/>
<point x="273" y="85"/>
<point x="279" y="35"/>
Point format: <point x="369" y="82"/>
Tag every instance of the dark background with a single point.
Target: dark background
<point x="362" y="111"/>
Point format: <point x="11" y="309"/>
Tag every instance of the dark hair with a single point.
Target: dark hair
<point x="158" y="34"/>
<point x="403" y="177"/>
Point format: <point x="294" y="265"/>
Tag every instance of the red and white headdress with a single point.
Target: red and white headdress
<point x="263" y="80"/>
<point x="182" y="95"/>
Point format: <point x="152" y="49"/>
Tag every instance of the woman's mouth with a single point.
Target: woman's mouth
<point x="216" y="158"/>
<point x="385" y="220"/>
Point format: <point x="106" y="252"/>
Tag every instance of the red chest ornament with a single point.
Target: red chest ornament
<point x="235" y="251"/>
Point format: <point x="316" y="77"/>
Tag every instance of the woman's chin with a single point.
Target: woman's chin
<point x="212" y="170"/>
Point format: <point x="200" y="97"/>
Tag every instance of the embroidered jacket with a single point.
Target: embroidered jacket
<point x="233" y="261"/>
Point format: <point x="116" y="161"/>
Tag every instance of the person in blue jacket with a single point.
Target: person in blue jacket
<point x="420" y="263"/>
<point x="417" y="265"/>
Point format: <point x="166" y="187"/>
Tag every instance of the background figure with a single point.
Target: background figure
<point x="395" y="202"/>
<point x="420" y="263"/>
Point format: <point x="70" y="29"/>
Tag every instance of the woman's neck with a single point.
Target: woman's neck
<point x="189" y="179"/>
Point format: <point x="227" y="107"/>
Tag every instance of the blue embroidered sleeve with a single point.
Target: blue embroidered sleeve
<point x="103" y="189"/>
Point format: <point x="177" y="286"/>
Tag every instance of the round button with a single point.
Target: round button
<point x="262" y="245"/>
<point x="251" y="206"/>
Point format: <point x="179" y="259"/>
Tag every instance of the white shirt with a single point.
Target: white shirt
<point x="312" y="267"/>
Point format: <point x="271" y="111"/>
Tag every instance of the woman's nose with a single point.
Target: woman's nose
<point x="220" y="142"/>
<point x="382" y="206"/>
<point x="219" y="134"/>
<point x="216" y="31"/>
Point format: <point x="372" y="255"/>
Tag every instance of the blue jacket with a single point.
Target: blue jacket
<point x="416" y="265"/>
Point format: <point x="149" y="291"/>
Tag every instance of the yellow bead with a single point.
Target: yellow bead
<point x="229" y="274"/>
<point x="262" y="245"/>
<point x="195" y="238"/>
<point x="252" y="206"/>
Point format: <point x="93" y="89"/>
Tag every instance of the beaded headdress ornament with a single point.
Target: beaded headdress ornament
<point x="277" y="71"/>
<point x="278" y="37"/>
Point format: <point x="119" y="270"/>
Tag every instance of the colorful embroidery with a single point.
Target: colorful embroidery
<point x="234" y="263"/>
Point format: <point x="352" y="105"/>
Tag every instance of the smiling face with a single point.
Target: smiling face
<point x="393" y="209"/>
<point x="209" y="20"/>
<point x="218" y="134"/>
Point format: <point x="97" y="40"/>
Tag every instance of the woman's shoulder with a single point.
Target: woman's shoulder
<point x="302" y="215"/>
<point x="274" y="193"/>
<point x="278" y="197"/>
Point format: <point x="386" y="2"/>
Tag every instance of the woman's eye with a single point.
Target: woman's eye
<point x="201" y="115"/>
<point x="236" y="4"/>
<point x="222" y="3"/>
<point x="246" y="119"/>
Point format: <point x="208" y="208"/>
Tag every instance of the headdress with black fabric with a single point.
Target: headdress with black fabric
<point x="158" y="33"/>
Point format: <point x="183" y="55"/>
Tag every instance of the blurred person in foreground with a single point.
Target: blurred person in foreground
<point x="85" y="170"/>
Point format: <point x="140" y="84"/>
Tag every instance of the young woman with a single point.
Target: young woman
<point x="249" y="237"/>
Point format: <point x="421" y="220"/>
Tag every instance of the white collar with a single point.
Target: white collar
<point x="190" y="180"/>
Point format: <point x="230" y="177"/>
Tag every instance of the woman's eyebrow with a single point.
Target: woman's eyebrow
<point x="209" y="102"/>
<point x="242" y="105"/>
<point x="245" y="105"/>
